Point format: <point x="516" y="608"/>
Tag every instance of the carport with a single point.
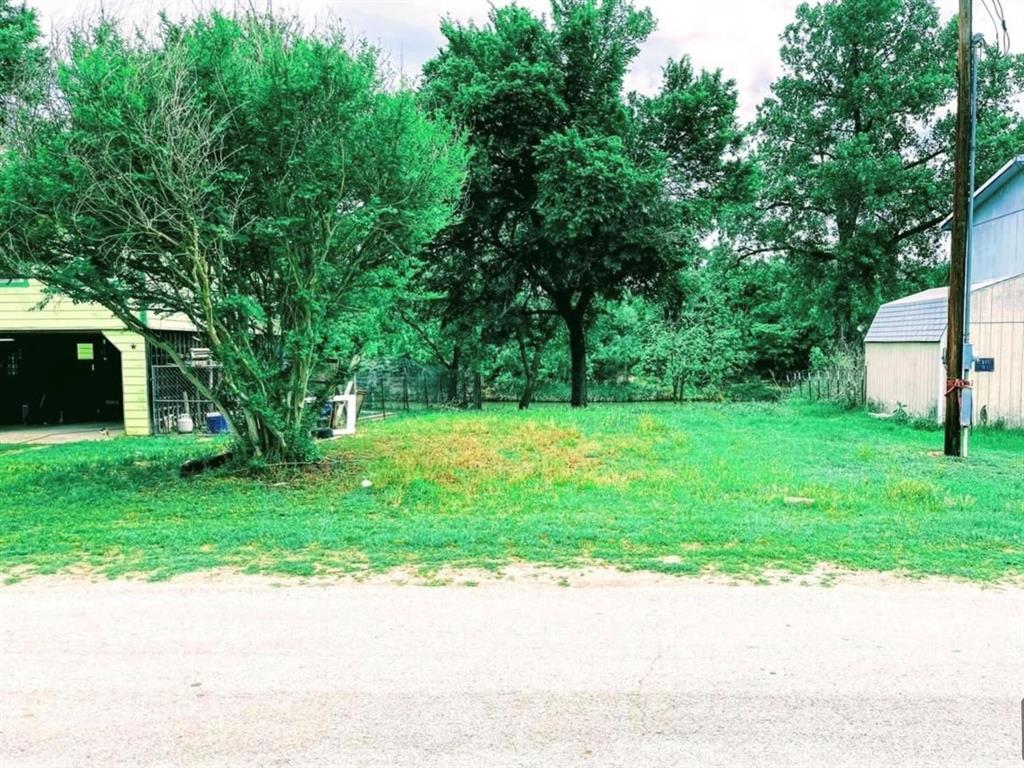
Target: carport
<point x="50" y="378"/>
<point x="65" y="360"/>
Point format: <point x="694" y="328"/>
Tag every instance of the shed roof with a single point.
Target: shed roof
<point x="918" y="317"/>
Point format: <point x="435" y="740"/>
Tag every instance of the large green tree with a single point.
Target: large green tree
<point x="251" y="176"/>
<point x="855" y="147"/>
<point x="22" y="60"/>
<point x="576" y="193"/>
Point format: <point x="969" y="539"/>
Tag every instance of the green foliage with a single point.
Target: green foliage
<point x="921" y="423"/>
<point x="699" y="343"/>
<point x="576" y="193"/>
<point x="271" y="186"/>
<point x="900" y="415"/>
<point x="258" y="179"/>
<point x="854" y="146"/>
<point x="757" y="390"/>
<point x="22" y="61"/>
<point x="622" y="485"/>
<point x="926" y="424"/>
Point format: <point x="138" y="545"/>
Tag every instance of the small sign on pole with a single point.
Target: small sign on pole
<point x="984" y="364"/>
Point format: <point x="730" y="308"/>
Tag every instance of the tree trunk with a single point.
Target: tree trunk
<point x="578" y="359"/>
<point x="527" y="395"/>
<point x="530" y="366"/>
<point x="453" y="376"/>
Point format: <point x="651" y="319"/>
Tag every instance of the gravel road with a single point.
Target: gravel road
<point x="234" y="671"/>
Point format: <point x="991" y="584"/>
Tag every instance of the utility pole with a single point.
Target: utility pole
<point x="962" y="198"/>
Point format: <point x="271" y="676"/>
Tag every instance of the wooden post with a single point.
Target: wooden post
<point x="405" y="387"/>
<point x="958" y="255"/>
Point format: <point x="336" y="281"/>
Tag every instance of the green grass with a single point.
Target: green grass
<point x="669" y="488"/>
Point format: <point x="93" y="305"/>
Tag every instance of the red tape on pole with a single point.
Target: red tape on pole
<point x="957" y="385"/>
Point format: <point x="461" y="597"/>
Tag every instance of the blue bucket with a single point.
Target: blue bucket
<point x="216" y="424"/>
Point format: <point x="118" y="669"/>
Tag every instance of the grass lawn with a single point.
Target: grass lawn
<point x="733" y="488"/>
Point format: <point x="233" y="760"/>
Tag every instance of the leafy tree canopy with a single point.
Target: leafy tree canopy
<point x="21" y="58"/>
<point x="577" y="192"/>
<point x="256" y="178"/>
<point x="855" y="150"/>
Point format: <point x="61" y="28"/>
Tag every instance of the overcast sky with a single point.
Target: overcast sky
<point x="738" y="36"/>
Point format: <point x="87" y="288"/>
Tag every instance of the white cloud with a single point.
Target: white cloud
<point x="739" y="36"/>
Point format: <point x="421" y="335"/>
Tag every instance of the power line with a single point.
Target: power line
<point x="991" y="16"/>
<point x="1002" y="18"/>
<point x="998" y="17"/>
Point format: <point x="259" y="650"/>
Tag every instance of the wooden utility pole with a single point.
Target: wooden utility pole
<point x="958" y="256"/>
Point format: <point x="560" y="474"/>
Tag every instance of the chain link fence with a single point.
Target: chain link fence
<point x="387" y="386"/>
<point x="391" y="385"/>
<point x="174" y="396"/>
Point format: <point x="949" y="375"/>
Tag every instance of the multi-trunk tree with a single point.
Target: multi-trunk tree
<point x="251" y="176"/>
<point x="577" y="192"/>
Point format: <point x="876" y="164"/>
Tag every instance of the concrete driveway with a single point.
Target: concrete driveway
<point x="43" y="434"/>
<point x="638" y="672"/>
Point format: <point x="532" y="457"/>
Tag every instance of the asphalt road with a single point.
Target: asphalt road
<point x="237" y="672"/>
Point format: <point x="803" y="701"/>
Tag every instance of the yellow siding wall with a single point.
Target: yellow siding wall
<point x="175" y="322"/>
<point x="907" y="372"/>
<point x="134" y="380"/>
<point x="997" y="330"/>
<point x="17" y="312"/>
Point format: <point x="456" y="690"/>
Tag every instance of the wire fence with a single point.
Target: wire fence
<point x="174" y="396"/>
<point x="387" y="386"/>
<point x="392" y="385"/>
<point x="845" y="385"/>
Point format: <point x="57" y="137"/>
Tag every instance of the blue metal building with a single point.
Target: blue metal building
<point x="905" y="345"/>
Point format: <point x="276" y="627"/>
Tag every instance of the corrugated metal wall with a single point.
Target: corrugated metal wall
<point x="912" y="373"/>
<point x="997" y="331"/>
<point x="999" y="232"/>
<point x="908" y="372"/>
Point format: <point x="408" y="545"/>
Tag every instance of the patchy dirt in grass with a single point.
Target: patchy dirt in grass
<point x="467" y="455"/>
<point x="586" y="577"/>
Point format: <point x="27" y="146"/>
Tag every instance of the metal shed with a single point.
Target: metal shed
<point x="906" y="343"/>
<point x="998" y="223"/>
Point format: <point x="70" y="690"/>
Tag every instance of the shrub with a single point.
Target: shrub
<point x="757" y="390"/>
